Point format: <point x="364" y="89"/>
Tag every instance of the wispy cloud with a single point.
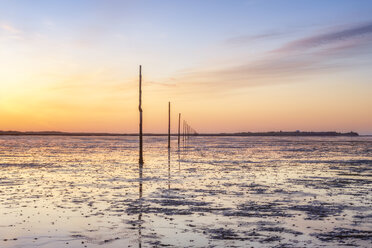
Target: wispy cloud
<point x="325" y="39"/>
<point x="244" y="39"/>
<point x="9" y="28"/>
<point x="10" y="32"/>
<point x="322" y="52"/>
<point x="171" y="85"/>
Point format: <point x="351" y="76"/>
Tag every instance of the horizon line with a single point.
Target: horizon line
<point x="245" y="133"/>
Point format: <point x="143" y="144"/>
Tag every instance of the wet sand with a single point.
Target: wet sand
<point x="212" y="192"/>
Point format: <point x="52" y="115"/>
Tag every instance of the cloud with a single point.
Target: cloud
<point x="243" y="39"/>
<point x="9" y="28"/>
<point x="9" y="32"/>
<point x="292" y="62"/>
<point x="324" y="39"/>
<point x="161" y="84"/>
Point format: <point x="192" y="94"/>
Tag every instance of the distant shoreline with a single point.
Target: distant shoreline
<point x="275" y="134"/>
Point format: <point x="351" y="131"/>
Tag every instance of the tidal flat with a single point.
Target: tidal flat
<point x="210" y="192"/>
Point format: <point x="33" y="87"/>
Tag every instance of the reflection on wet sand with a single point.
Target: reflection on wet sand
<point x="231" y="191"/>
<point x="140" y="171"/>
<point x="179" y="160"/>
<point x="169" y="169"/>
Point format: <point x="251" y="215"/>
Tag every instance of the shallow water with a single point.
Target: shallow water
<point x="212" y="192"/>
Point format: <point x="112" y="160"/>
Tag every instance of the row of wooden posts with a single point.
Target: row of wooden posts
<point x="186" y="132"/>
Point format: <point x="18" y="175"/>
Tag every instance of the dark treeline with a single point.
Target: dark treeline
<point x="297" y="133"/>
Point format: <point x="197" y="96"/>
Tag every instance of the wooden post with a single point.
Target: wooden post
<point x="179" y="127"/>
<point x="140" y="120"/>
<point x="169" y="119"/>
<point x="183" y="131"/>
<point x="187" y="131"/>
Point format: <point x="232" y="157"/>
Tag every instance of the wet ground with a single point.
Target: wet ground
<point x="212" y="192"/>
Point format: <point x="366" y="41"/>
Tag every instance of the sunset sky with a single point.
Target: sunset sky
<point x="227" y="66"/>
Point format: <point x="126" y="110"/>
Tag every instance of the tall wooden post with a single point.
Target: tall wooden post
<point x="140" y="120"/>
<point x="169" y="119"/>
<point x="179" y="128"/>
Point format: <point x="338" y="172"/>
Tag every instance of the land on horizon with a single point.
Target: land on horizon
<point x="269" y="133"/>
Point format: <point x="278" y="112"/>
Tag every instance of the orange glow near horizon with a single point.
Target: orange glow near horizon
<point x="112" y="107"/>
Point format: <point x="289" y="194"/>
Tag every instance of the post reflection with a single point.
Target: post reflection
<point x="179" y="160"/>
<point x="169" y="169"/>
<point x="140" y="188"/>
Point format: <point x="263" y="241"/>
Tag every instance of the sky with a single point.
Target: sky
<point x="226" y="66"/>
